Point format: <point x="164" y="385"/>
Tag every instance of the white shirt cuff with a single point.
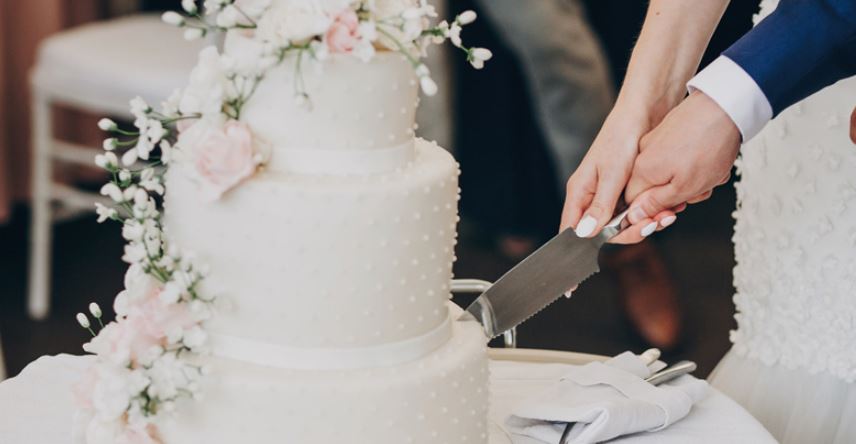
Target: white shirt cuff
<point x="736" y="92"/>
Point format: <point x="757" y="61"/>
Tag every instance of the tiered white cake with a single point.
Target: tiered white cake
<point x="336" y="262"/>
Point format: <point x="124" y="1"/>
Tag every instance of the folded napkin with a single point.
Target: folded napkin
<point x="605" y="400"/>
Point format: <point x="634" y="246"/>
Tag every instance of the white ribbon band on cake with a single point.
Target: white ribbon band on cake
<point x="296" y="358"/>
<point x="342" y="161"/>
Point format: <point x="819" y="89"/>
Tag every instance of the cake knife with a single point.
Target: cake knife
<point x="559" y="265"/>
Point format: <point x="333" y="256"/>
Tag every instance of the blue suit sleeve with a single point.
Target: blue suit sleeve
<point x="799" y="49"/>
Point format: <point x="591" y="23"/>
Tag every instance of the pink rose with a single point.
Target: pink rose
<point x="147" y="323"/>
<point x="122" y="342"/>
<point x="342" y="35"/>
<point x="224" y="157"/>
<point x="158" y="319"/>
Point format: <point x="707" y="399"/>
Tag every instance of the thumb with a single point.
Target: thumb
<point x="654" y="201"/>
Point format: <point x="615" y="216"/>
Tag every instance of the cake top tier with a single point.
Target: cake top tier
<point x="316" y="86"/>
<point x="358" y="117"/>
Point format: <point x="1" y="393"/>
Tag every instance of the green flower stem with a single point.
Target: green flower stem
<point x="128" y="142"/>
<point x="125" y="133"/>
<point x="171" y="120"/>
<point x="299" y="85"/>
<point x="249" y="19"/>
<point x="401" y="48"/>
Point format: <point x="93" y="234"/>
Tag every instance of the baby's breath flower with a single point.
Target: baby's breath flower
<point x="139" y="107"/>
<point x="466" y="17"/>
<point x="83" y="320"/>
<point x="95" y="310"/>
<point x="478" y="56"/>
<point x="112" y="191"/>
<point x="107" y="125"/>
<point x="173" y="18"/>
<point x="130" y="157"/>
<point x="104" y="212"/>
<point x="429" y="87"/>
<point x="189" y="6"/>
<point x="191" y="34"/>
<point x="108" y="161"/>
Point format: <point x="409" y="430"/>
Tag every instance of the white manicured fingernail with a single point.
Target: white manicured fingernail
<point x="586" y="226"/>
<point x="668" y="221"/>
<point x="568" y="294"/>
<point x="649" y="229"/>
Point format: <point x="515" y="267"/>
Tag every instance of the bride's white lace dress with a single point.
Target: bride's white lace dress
<point x="793" y="363"/>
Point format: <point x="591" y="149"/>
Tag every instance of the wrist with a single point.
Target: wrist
<point x="716" y="115"/>
<point x="647" y="105"/>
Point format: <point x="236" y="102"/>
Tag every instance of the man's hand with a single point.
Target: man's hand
<point x="596" y="186"/>
<point x="683" y="159"/>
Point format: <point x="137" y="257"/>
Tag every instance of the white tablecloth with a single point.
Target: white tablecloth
<point x="37" y="406"/>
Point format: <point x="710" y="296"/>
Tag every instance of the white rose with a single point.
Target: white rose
<point x="139" y="284"/>
<point x="207" y="89"/>
<point x="384" y="9"/>
<point x="407" y="13"/>
<point x="167" y="375"/>
<point x="293" y="22"/>
<point x="115" y="387"/>
<point x="253" y="8"/>
<point x="195" y="337"/>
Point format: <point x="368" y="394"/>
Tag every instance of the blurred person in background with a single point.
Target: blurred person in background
<point x="548" y="89"/>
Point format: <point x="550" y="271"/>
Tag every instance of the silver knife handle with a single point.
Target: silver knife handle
<point x="616" y="225"/>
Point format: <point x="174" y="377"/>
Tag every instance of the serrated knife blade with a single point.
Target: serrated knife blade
<point x="559" y="265"/>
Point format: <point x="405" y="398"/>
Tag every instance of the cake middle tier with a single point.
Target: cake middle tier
<point x="330" y="262"/>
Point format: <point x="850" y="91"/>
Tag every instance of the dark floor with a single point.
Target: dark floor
<point x="698" y="250"/>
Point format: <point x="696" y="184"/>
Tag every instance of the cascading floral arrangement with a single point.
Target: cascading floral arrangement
<point x="318" y="28"/>
<point x="147" y="359"/>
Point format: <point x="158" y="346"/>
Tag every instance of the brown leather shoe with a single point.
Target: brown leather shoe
<point x="647" y="293"/>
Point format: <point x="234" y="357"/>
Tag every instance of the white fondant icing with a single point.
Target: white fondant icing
<point x="350" y="103"/>
<point x="270" y="355"/>
<point x="441" y="398"/>
<point x="343" y="161"/>
<point x="300" y="256"/>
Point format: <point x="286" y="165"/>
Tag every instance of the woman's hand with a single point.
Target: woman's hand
<point x="666" y="55"/>
<point x="595" y="188"/>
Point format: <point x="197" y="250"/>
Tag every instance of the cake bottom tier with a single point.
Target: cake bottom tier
<point x="442" y="398"/>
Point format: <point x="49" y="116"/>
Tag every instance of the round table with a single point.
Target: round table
<point x="36" y="407"/>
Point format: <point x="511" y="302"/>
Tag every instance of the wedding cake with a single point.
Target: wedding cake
<point x="327" y="233"/>
<point x="338" y="258"/>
